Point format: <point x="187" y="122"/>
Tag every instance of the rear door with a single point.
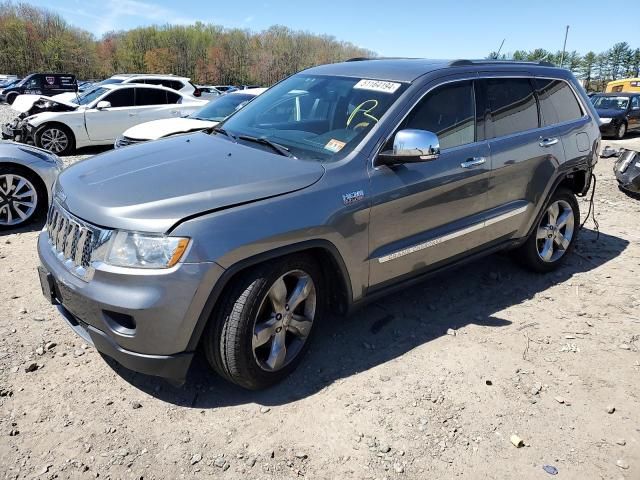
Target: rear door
<point x="108" y="123"/>
<point x="523" y="156"/>
<point x="426" y="213"/>
<point x="151" y="104"/>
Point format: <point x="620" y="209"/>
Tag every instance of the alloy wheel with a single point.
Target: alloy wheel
<point x="622" y="130"/>
<point x="18" y="199"/>
<point x="284" y="320"/>
<point x="555" y="231"/>
<point x="54" y="139"/>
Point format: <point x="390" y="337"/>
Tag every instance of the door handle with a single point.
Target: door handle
<point x="547" y="142"/>
<point x="473" y="162"/>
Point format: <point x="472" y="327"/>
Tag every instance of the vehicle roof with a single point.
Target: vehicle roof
<point x="249" y="91"/>
<point x="117" y="86"/>
<point x="624" y="80"/>
<point x="617" y="94"/>
<point x="409" y="69"/>
<point x="125" y="76"/>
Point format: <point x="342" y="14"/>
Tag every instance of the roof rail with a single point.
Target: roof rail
<point x="463" y="62"/>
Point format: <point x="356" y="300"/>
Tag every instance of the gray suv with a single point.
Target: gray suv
<point x="337" y="185"/>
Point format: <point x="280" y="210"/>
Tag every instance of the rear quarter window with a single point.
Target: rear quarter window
<point x="558" y="103"/>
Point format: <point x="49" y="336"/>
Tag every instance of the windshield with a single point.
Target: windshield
<point x="89" y="96"/>
<point x="220" y="108"/>
<point x="610" y="103"/>
<point x="315" y="117"/>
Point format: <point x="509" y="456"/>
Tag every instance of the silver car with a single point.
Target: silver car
<point x="27" y="175"/>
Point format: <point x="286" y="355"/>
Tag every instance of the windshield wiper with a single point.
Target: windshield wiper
<point x="281" y="149"/>
<point x="223" y="132"/>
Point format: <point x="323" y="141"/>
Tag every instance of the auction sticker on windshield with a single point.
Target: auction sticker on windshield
<point x="377" y="86"/>
<point x="334" y="145"/>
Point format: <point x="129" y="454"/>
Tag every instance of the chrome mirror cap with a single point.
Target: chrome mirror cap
<point x="411" y="146"/>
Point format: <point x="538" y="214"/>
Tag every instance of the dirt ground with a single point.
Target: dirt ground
<point x="429" y="383"/>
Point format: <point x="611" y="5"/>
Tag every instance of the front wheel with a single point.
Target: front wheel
<point x="11" y="97"/>
<point x="621" y="131"/>
<point x="259" y="333"/>
<point x="55" y="138"/>
<point x="22" y="198"/>
<point x="555" y="234"/>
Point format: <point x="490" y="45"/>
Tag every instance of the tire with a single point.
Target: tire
<point x="244" y="338"/>
<point x="19" y="181"/>
<point x="621" y="131"/>
<point x="56" y="138"/>
<point x="11" y="97"/>
<point x="551" y="240"/>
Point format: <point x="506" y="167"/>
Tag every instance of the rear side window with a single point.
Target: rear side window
<point x="558" y="103"/>
<point x="447" y="111"/>
<point x="512" y="106"/>
<point x="150" y="96"/>
<point x="173" y="97"/>
<point x="122" y="97"/>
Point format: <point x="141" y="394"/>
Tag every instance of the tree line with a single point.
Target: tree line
<point x="595" y="69"/>
<point x="35" y="39"/>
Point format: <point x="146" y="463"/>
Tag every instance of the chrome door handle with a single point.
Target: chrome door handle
<point x="473" y="162"/>
<point x="547" y="142"/>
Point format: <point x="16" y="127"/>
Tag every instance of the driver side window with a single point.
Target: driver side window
<point x="449" y="112"/>
<point x="120" y="98"/>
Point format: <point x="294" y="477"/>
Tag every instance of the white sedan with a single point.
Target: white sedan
<point x="98" y="116"/>
<point x="208" y="116"/>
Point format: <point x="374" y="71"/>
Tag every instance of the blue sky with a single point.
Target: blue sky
<point x="453" y="29"/>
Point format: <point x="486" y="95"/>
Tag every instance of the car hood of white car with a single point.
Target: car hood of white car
<point x="24" y="103"/>
<point x="167" y="126"/>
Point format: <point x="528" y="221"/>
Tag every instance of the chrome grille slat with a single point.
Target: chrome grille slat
<point x="73" y="240"/>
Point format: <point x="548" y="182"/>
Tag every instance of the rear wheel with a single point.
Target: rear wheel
<point x="555" y="234"/>
<point x="55" y="138"/>
<point x="22" y="197"/>
<point x="262" y="329"/>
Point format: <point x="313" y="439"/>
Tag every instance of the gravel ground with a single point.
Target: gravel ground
<point x="432" y="382"/>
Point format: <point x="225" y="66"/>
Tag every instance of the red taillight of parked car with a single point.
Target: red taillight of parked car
<point x="197" y="92"/>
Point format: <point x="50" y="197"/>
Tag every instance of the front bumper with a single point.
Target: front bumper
<point x="143" y="320"/>
<point x="609" y="129"/>
<point x="629" y="179"/>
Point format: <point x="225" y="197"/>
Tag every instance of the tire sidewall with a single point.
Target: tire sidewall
<point x="70" y="143"/>
<point x="43" y="200"/>
<point x="233" y="327"/>
<point x="530" y="247"/>
<point x="619" y="132"/>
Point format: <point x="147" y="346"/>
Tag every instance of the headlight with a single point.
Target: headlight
<point x="138" y="250"/>
<point x="605" y="121"/>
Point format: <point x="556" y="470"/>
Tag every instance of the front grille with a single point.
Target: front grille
<point x="73" y="240"/>
<point x="123" y="141"/>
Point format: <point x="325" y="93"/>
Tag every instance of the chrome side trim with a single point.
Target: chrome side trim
<point x="452" y="235"/>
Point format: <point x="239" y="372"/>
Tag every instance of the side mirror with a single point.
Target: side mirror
<point x="411" y="146"/>
<point x="103" y="104"/>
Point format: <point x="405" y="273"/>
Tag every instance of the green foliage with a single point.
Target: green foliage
<point x="34" y="39"/>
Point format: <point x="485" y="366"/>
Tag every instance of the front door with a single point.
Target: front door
<point x="425" y="213"/>
<point x="108" y="123"/>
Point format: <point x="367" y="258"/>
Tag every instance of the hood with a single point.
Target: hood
<point x="167" y="126"/>
<point x="151" y="186"/>
<point x="41" y="103"/>
<point x="610" y="112"/>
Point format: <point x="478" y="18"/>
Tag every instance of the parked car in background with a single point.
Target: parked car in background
<point x="208" y="116"/>
<point x="27" y="174"/>
<point x="624" y="85"/>
<point x="6" y="85"/>
<point x="96" y="118"/>
<point x="619" y="113"/>
<point x="337" y="185"/>
<point x="225" y="88"/>
<point x="248" y="87"/>
<point x="41" y="84"/>
<point x="5" y="78"/>
<point x="208" y="92"/>
<point x="174" y="82"/>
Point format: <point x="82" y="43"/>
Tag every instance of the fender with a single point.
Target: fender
<point x="230" y="272"/>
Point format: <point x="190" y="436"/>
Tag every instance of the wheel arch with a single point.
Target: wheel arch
<point x="326" y="253"/>
<point x="50" y="123"/>
<point x="30" y="171"/>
